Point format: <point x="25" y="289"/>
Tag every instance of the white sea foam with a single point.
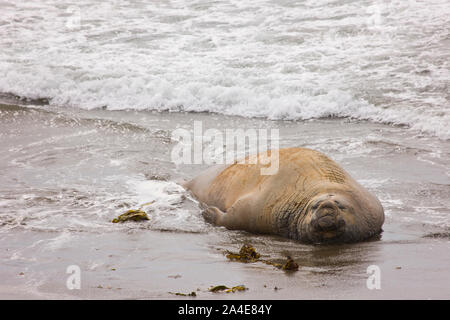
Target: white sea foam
<point x="169" y="206"/>
<point x="385" y="61"/>
<point x="164" y="201"/>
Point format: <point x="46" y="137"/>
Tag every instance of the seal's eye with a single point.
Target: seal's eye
<point x="339" y="205"/>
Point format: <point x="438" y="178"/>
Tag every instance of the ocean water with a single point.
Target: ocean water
<point x="384" y="61"/>
<point x="91" y="92"/>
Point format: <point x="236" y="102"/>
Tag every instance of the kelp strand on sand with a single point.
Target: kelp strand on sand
<point x="192" y="294"/>
<point x="132" y="215"/>
<point x="214" y="289"/>
<point x="226" y="289"/>
<point x="248" y="254"/>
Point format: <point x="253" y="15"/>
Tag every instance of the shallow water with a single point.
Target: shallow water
<point x="66" y="173"/>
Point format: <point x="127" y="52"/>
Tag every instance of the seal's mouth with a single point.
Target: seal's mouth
<point x="327" y="221"/>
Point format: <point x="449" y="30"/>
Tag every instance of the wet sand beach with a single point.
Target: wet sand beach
<point x="66" y="173"/>
<point x="92" y="92"/>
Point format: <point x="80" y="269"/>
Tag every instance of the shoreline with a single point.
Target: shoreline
<point x="413" y="268"/>
<point x="53" y="217"/>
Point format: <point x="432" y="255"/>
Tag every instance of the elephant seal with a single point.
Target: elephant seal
<point x="310" y="199"/>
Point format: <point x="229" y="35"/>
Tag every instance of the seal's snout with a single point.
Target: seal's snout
<point x="326" y="223"/>
<point x="326" y="217"/>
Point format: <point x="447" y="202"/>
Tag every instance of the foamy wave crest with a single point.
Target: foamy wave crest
<point x="384" y="62"/>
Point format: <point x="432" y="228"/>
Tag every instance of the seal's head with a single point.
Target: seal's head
<point x="337" y="217"/>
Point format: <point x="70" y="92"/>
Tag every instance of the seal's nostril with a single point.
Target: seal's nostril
<point x="328" y="205"/>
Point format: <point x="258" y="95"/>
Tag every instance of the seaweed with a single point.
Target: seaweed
<point x="237" y="288"/>
<point x="290" y="265"/>
<point x="146" y="204"/>
<point x="192" y="294"/>
<point x="248" y="254"/>
<point x="276" y="265"/>
<point x="132" y="215"/>
<point x="215" y="289"/>
<point x="220" y="288"/>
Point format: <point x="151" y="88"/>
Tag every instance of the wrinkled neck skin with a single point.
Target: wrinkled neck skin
<point x="336" y="215"/>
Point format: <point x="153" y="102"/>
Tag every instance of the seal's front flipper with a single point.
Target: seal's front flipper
<point x="211" y="214"/>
